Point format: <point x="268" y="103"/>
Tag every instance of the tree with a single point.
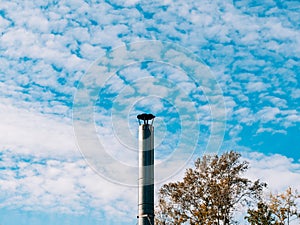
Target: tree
<point x="284" y="206"/>
<point x="209" y="193"/>
<point x="279" y="209"/>
<point x="261" y="216"/>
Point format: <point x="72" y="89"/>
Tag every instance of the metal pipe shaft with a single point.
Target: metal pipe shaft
<point x="146" y="175"/>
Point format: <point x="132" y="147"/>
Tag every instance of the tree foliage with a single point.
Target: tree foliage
<point x="261" y="216"/>
<point x="279" y="209"/>
<point x="209" y="192"/>
<point x="284" y="206"/>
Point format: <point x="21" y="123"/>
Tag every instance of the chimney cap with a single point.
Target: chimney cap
<point x="145" y="117"/>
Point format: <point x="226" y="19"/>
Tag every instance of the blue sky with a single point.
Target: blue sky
<point x="219" y="75"/>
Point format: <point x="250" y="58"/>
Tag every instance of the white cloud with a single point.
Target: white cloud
<point x="275" y="101"/>
<point x="270" y="130"/>
<point x="278" y="171"/>
<point x="29" y="132"/>
<point x="244" y="115"/>
<point x="257" y="86"/>
<point x="296" y="93"/>
<point x="268" y="114"/>
<point x="68" y="186"/>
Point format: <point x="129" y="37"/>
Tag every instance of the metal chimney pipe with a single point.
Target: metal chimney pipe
<point x="146" y="171"/>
